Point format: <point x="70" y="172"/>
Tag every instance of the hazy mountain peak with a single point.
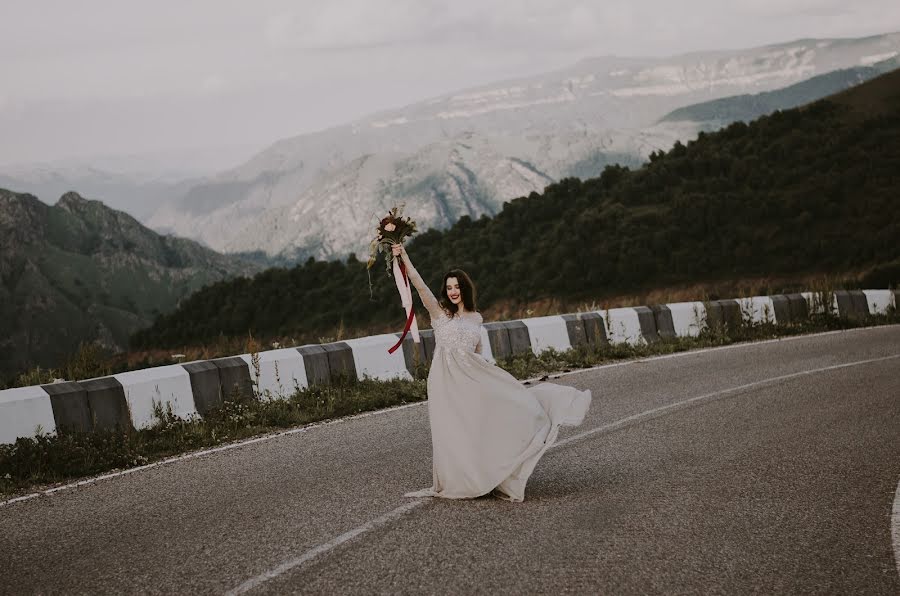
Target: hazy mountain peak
<point x="511" y="138"/>
<point x="72" y="200"/>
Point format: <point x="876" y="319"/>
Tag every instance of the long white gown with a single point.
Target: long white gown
<point x="488" y="431"/>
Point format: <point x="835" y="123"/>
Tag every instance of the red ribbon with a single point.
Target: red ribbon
<point x="409" y="319"/>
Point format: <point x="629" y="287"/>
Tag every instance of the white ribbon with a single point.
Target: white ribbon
<point x="406" y="299"/>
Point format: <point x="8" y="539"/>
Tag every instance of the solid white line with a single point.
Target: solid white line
<point x="304" y="428"/>
<point x="895" y="527"/>
<point x="323" y="548"/>
<point x="714" y="349"/>
<point x="649" y="414"/>
<point x="194" y="454"/>
<point x="635" y="419"/>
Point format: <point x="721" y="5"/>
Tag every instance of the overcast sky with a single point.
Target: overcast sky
<point x="209" y="82"/>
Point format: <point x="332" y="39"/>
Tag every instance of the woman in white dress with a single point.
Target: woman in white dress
<point x="488" y="431"/>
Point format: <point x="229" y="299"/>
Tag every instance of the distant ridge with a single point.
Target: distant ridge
<point x="466" y="153"/>
<point x="721" y="112"/>
<point x="811" y="190"/>
<point x="78" y="271"/>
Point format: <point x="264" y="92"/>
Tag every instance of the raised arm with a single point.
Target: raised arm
<point x="428" y="299"/>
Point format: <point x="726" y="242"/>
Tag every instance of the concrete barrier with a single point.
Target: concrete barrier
<point x="70" y="407"/>
<point x="723" y="314"/>
<point x="426" y="337"/>
<point x="815" y="303"/>
<point x="340" y="360"/>
<point x="757" y="309"/>
<point x="547" y="332"/>
<point x="594" y="329"/>
<point x="647" y="321"/>
<point x="205" y="388"/>
<point x="623" y="325"/>
<point x="507" y="338"/>
<point x="234" y="378"/>
<point x="662" y="316"/>
<point x="498" y="340"/>
<point x="687" y="318"/>
<point x="127" y="399"/>
<point x="22" y="411"/>
<point x="851" y="304"/>
<point x="106" y="399"/>
<point x="169" y="386"/>
<point x="277" y="373"/>
<point x="575" y="328"/>
<point x="519" y="338"/>
<point x="315" y="362"/>
<point x="371" y="358"/>
<point x="799" y="308"/>
<point x="879" y="301"/>
<point x="413" y="353"/>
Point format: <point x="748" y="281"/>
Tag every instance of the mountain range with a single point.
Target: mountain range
<point x="138" y="194"/>
<point x="805" y="193"/>
<point x="79" y="271"/>
<point x="467" y="153"/>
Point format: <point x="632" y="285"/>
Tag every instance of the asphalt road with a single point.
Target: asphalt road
<point x="760" y="468"/>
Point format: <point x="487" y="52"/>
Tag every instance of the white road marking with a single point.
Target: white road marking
<point x="192" y="455"/>
<point x="304" y="428"/>
<point x="716" y="349"/>
<point x="649" y="414"/>
<point x="607" y="428"/>
<point x="895" y="527"/>
<point x="323" y="548"/>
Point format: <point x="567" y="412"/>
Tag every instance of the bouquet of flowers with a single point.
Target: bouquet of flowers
<point x="394" y="229"/>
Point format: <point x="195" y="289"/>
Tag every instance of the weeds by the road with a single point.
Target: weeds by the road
<point x="54" y="458"/>
<point x="49" y="459"/>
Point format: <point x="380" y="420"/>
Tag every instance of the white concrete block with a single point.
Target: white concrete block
<point x="162" y="384"/>
<point x="22" y="410"/>
<point x="759" y="309"/>
<point x="879" y="301"/>
<point x="815" y="304"/>
<point x="688" y="318"/>
<point x="622" y="325"/>
<point x="548" y="332"/>
<point x="370" y="354"/>
<point x="281" y="373"/>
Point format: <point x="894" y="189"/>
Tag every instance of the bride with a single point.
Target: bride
<point x="488" y="431"/>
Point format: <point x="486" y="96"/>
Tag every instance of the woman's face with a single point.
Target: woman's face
<point x="453" y="291"/>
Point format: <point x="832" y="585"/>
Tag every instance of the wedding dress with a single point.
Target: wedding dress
<point x="488" y="431"/>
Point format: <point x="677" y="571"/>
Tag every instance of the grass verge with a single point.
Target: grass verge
<point x="29" y="464"/>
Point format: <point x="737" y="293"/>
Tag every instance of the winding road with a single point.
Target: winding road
<point x="770" y="467"/>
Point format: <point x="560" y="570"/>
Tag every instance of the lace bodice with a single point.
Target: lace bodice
<point x="461" y="332"/>
<point x="458" y="332"/>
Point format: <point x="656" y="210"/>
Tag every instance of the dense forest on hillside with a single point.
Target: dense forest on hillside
<point x="78" y="271"/>
<point x="812" y="189"/>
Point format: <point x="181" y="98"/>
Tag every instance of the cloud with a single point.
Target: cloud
<point x="212" y="83"/>
<point x="289" y="66"/>
<point x="360" y="24"/>
<point x="349" y="24"/>
<point x="620" y="27"/>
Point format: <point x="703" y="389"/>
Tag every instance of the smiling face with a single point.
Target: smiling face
<point x="454" y="294"/>
<point x="458" y="293"/>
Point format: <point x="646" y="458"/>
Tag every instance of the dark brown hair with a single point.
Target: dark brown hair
<point x="466" y="289"/>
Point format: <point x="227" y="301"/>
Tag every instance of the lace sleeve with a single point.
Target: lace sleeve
<point x="428" y="299"/>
